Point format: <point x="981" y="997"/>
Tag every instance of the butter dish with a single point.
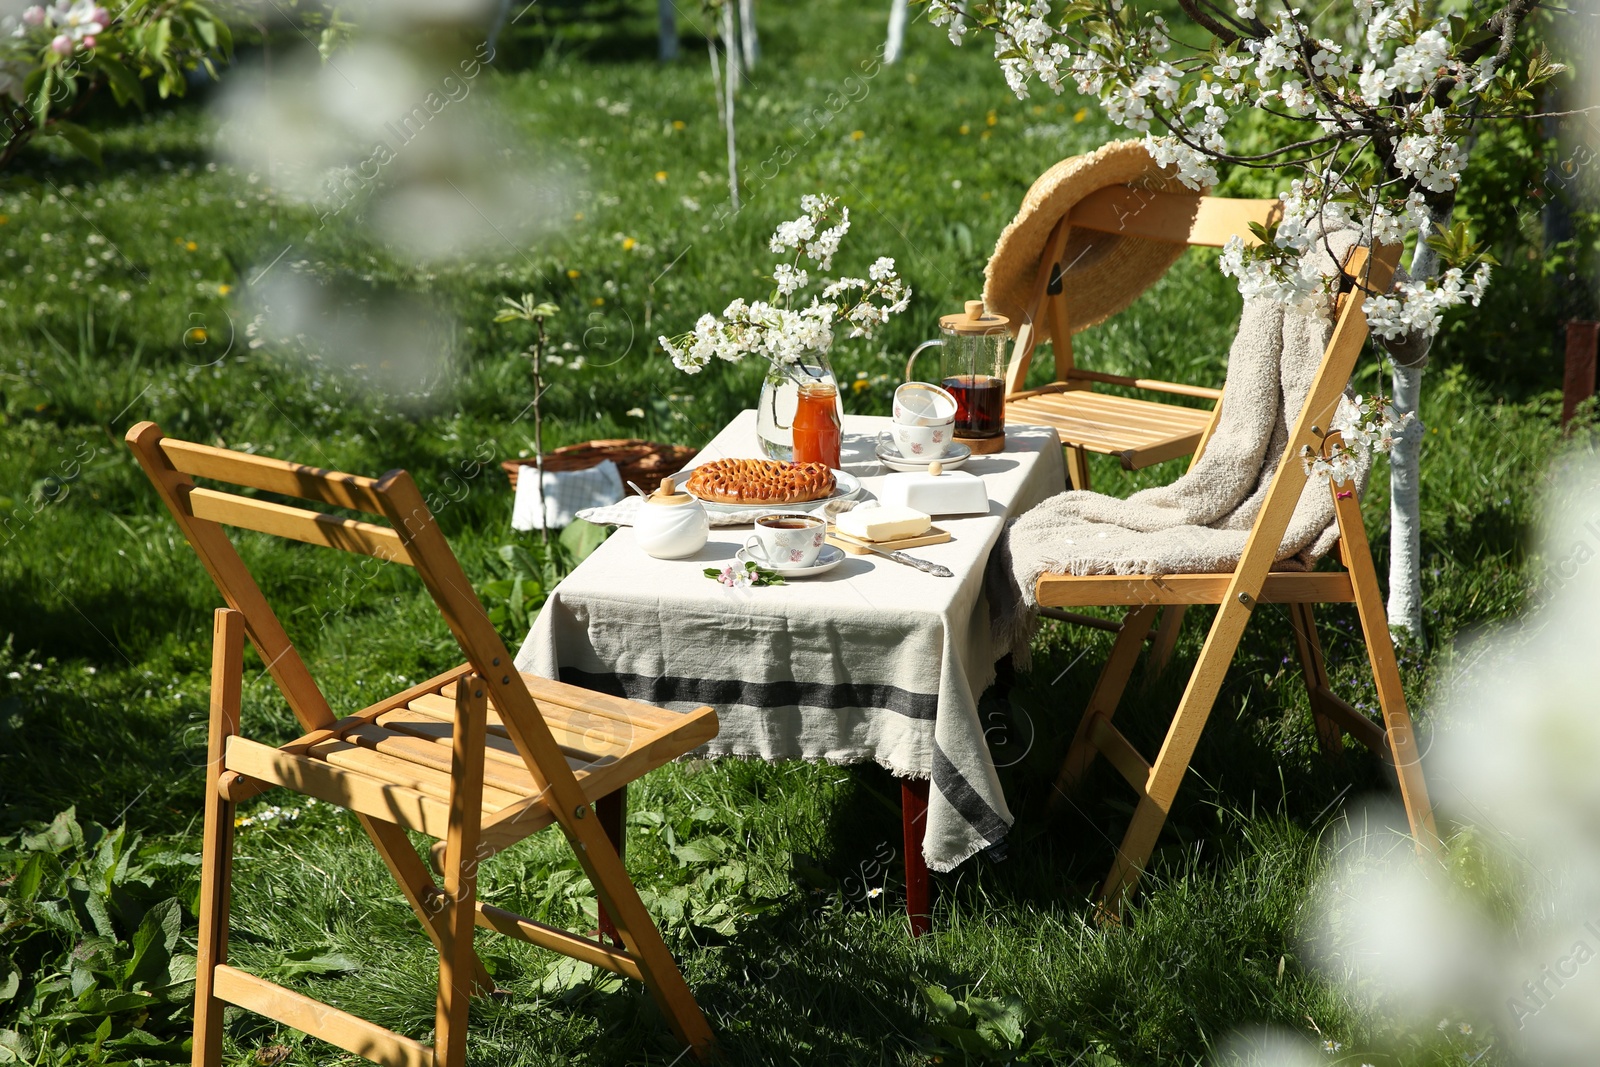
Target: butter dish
<point x="936" y="493"/>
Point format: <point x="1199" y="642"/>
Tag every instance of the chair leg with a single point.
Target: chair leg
<point x="612" y="811"/>
<point x="1104" y="700"/>
<point x="1132" y="855"/>
<point x="410" y="873"/>
<point x="1303" y="620"/>
<point x="216" y="863"/>
<point x="1166" y="637"/>
<point x="1077" y="467"/>
<point x="640" y="938"/>
<point x="460" y="911"/>
<point x="1385" y="671"/>
<point x="914" y="824"/>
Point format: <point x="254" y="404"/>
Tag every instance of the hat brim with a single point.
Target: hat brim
<point x="1103" y="272"/>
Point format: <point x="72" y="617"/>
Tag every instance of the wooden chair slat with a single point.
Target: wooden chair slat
<point x="1100" y="433"/>
<point x="547" y="691"/>
<point x="339" y="1028"/>
<point x="583" y="736"/>
<point x="537" y="933"/>
<point x="1156" y="385"/>
<point x="502" y="769"/>
<point x="1178" y="218"/>
<point x="1128" y="412"/>
<point x="1149" y="455"/>
<point x="299" y="524"/>
<point x="391" y="764"/>
<point x="351" y="491"/>
<point x="430" y="728"/>
<point x="381" y="800"/>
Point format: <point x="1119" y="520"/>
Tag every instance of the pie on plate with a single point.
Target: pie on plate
<point x="760" y="481"/>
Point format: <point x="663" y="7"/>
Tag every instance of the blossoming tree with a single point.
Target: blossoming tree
<point x="55" y="58"/>
<point x="1383" y="98"/>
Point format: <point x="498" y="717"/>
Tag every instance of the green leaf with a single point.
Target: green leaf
<point x="701" y="850"/>
<point x="153" y="943"/>
<point x="15" y="1045"/>
<point x="124" y="84"/>
<point x="85" y="142"/>
<point x="941" y="1001"/>
<point x="318" y="961"/>
<point x="581" y="538"/>
<point x="11" y="983"/>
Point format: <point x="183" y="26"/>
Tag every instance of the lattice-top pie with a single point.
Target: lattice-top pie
<point x="760" y="481"/>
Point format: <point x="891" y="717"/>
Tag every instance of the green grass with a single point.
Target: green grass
<point x="778" y="919"/>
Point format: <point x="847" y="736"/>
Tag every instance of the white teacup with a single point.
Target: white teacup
<point x="787" y="539"/>
<point x="924" y="442"/>
<point x="922" y="404"/>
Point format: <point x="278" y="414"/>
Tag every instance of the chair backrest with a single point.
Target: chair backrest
<point x="410" y="536"/>
<point x="1123" y="210"/>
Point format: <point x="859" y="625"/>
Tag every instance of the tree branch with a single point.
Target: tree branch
<point x="1225" y="34"/>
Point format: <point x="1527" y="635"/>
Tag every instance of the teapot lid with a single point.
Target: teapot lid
<point x="668" y="494"/>
<point x="974" y="321"/>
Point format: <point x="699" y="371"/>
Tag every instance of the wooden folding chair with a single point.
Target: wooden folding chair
<point x="478" y="757"/>
<point x="1238" y="594"/>
<point x="1138" y="432"/>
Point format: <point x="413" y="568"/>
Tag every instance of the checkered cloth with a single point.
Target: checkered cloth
<point x="566" y="493"/>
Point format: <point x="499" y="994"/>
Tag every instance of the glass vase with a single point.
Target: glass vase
<point x="780" y="399"/>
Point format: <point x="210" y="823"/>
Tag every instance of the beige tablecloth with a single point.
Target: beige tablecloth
<point x="872" y="661"/>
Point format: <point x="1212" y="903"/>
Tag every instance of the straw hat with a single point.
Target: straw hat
<point x="1104" y="272"/>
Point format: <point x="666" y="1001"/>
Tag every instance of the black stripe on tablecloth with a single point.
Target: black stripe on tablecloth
<point x="959" y="792"/>
<point x="722" y="692"/>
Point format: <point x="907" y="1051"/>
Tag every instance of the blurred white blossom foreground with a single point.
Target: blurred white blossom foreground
<point x="1502" y="939"/>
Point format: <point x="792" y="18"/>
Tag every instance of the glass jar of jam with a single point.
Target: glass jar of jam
<point x="817" y="435"/>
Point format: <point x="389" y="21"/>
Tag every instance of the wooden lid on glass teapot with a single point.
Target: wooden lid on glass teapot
<point x="975" y="321"/>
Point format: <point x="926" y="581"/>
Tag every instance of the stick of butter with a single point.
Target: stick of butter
<point x="883" y="523"/>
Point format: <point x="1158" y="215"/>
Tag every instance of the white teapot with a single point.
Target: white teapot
<point x="670" y="524"/>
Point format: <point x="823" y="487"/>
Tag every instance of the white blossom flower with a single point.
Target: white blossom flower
<point x="788" y="279"/>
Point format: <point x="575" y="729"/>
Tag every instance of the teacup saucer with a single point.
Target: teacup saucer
<point x="827" y="559"/>
<point x="889" y="453"/>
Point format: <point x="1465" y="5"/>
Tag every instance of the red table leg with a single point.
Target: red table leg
<point x="611" y="810"/>
<point x="914" y="816"/>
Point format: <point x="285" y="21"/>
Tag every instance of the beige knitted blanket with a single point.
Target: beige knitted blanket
<point x="1200" y="522"/>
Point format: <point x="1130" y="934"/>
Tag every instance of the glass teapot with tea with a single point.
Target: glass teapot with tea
<point x="972" y="368"/>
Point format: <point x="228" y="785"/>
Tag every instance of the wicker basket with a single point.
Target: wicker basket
<point x="644" y="463"/>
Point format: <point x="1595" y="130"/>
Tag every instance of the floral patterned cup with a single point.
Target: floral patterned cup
<point x="787" y="539"/>
<point x="924" y="442"/>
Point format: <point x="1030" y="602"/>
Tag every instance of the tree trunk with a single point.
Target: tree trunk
<point x="667" y="31"/>
<point x="1405" y="461"/>
<point x="1405" y="508"/>
<point x="896" y="44"/>
<point x="729" y="84"/>
<point x="749" y="43"/>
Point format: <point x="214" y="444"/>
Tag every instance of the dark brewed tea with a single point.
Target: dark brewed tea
<point x="788" y="524"/>
<point x="980" y="404"/>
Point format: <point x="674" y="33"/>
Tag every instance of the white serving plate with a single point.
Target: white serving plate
<point x="829" y="558"/>
<point x="845" y="486"/>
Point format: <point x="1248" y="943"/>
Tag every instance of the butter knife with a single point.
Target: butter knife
<point x="938" y="570"/>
